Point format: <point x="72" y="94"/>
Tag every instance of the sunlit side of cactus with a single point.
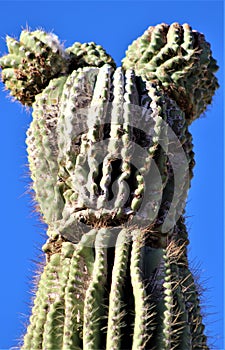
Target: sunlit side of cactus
<point x="115" y="276"/>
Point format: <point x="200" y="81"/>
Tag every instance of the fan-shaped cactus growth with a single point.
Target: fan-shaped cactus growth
<point x="39" y="57"/>
<point x="111" y="159"/>
<point x="179" y="60"/>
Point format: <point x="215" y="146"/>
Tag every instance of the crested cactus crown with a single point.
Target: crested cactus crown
<point x="39" y="57"/>
<point x="180" y="61"/>
<point x="31" y="63"/>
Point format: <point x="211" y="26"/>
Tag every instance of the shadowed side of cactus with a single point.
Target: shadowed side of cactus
<point x="111" y="160"/>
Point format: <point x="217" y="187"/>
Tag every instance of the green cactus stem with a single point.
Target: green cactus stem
<point x="111" y="159"/>
<point x="70" y="310"/>
<point x="70" y="183"/>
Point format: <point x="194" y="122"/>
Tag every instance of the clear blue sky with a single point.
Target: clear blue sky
<point x="113" y="25"/>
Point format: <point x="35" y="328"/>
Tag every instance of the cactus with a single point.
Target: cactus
<point x="111" y="158"/>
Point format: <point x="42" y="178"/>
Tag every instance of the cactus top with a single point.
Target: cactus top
<point x="39" y="57"/>
<point x="173" y="56"/>
<point x="169" y="71"/>
<point x="180" y="60"/>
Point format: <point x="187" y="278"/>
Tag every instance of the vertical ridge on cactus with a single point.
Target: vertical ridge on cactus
<point x="111" y="159"/>
<point x="94" y="300"/>
<point x="141" y="322"/>
<point x="116" y="297"/>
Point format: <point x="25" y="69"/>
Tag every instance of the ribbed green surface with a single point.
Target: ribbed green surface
<point x="31" y="63"/>
<point x="180" y="60"/>
<point x="77" y="305"/>
<point x="37" y="57"/>
<point x="81" y="147"/>
<point x="89" y="54"/>
<point x="111" y="159"/>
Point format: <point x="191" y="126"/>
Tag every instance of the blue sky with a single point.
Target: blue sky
<point x="113" y="24"/>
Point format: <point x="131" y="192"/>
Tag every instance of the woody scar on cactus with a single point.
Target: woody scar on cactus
<point x="111" y="158"/>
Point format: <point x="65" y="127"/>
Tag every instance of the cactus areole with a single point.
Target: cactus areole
<point x="111" y="159"/>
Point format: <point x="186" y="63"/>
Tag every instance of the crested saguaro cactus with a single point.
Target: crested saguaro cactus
<point x="111" y="159"/>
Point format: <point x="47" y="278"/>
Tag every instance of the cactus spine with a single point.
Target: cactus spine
<point x="116" y="273"/>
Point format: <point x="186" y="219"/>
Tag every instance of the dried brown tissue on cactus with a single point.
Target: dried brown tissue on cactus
<point x="99" y="148"/>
